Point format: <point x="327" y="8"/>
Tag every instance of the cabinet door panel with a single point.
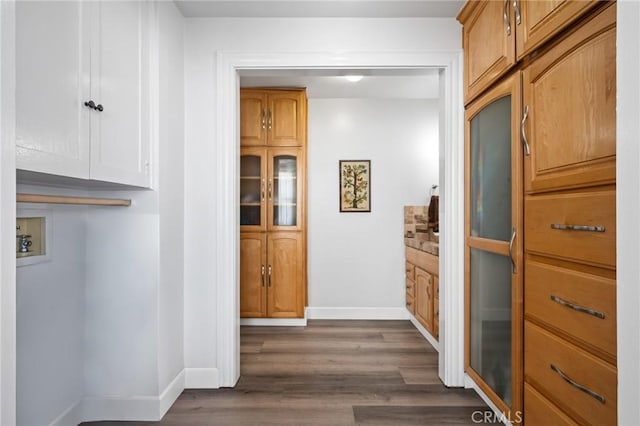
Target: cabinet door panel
<point x="571" y="95"/>
<point x="285" y="118"/>
<point x="542" y="19"/>
<point x="489" y="46"/>
<point x="253" y="113"/>
<point x="253" y="187"/>
<point x="52" y="132"/>
<point x="424" y="299"/>
<point x="120" y="83"/>
<point x="253" y="269"/>
<point x="285" y="183"/>
<point x="285" y="275"/>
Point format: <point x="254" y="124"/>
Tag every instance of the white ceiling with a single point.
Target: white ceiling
<point x="387" y="84"/>
<point x="376" y="84"/>
<point x="320" y="8"/>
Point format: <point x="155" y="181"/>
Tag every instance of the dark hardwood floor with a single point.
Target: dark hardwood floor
<point x="330" y="373"/>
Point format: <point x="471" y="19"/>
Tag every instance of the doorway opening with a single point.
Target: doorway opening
<point x="231" y="67"/>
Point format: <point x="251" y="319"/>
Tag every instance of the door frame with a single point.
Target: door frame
<point x="227" y="150"/>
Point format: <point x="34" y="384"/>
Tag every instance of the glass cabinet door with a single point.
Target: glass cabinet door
<point x="493" y="271"/>
<point x="252" y="189"/>
<point x="284" y="189"/>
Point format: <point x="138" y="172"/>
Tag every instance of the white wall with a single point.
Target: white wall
<point x="50" y="317"/>
<point x="357" y="259"/>
<point x="7" y="215"/>
<point x="171" y="184"/>
<point x="204" y="37"/>
<point x="628" y="210"/>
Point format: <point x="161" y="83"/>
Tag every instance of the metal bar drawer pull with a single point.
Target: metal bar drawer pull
<point x="578" y="385"/>
<point x="578" y="308"/>
<point x="588" y="228"/>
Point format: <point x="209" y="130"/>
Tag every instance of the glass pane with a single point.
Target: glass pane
<point x="285" y="192"/>
<point x="490" y="328"/>
<point x="250" y="189"/>
<point x="491" y="171"/>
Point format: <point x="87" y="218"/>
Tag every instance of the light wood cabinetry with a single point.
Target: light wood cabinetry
<point x="570" y="224"/>
<point x="422" y="287"/>
<point x="285" y="292"/>
<point x="253" y="274"/>
<point x="272" y="203"/>
<point x="566" y="131"/>
<point x="571" y="121"/>
<point x="496" y="34"/>
<point x="272" y="117"/>
<point x="88" y="115"/>
<point x="493" y="252"/>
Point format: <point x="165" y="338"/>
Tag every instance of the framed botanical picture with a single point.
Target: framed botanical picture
<point x="355" y="186"/>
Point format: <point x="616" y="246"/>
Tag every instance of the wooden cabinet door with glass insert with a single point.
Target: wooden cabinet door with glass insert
<point x="284" y="189"/>
<point x="253" y="187"/>
<point x="493" y="252"/>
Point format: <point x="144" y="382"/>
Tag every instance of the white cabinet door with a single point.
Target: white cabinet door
<point x="52" y="83"/>
<point x="120" y="133"/>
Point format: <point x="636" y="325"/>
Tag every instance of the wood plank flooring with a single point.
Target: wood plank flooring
<point x="330" y="373"/>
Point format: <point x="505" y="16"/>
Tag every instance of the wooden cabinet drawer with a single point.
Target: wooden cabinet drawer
<point x="540" y="411"/>
<point x="591" y="394"/>
<point x="410" y="303"/>
<point x="563" y="298"/>
<point x="545" y="215"/>
<point x="410" y="271"/>
<point x="410" y="287"/>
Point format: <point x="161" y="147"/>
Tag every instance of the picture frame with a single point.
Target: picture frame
<point x="355" y="186"/>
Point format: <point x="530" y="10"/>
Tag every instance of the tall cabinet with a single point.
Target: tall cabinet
<point x="540" y="224"/>
<point x="272" y="203"/>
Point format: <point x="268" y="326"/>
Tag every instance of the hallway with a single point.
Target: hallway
<point x="330" y="373"/>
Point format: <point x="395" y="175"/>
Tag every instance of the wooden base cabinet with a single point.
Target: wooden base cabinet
<point x="271" y="275"/>
<point x="422" y="288"/>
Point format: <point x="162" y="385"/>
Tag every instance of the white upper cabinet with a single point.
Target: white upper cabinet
<point x="52" y="64"/>
<point x="84" y="90"/>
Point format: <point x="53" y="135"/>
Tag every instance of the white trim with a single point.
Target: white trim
<point x="171" y="393"/>
<point x="451" y="278"/>
<point x="140" y="408"/>
<point x="70" y="416"/>
<point x="627" y="209"/>
<point x="226" y="149"/>
<point x="201" y="378"/>
<point x="274" y="322"/>
<point x="432" y="340"/>
<point x="7" y="215"/>
<point x="119" y="408"/>
<point x="357" y="313"/>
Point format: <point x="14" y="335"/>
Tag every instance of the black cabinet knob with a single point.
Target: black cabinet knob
<point x="93" y="106"/>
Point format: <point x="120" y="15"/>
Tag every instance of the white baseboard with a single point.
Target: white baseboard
<point x="357" y="313"/>
<point x="137" y="408"/>
<point x="70" y="416"/>
<point x="274" y="322"/>
<point x="424" y="332"/>
<point x="140" y="408"/>
<point x="171" y="393"/>
<point x="201" y="378"/>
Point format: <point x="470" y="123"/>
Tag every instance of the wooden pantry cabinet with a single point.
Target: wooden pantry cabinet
<point x="272" y="203"/>
<point x="563" y="125"/>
